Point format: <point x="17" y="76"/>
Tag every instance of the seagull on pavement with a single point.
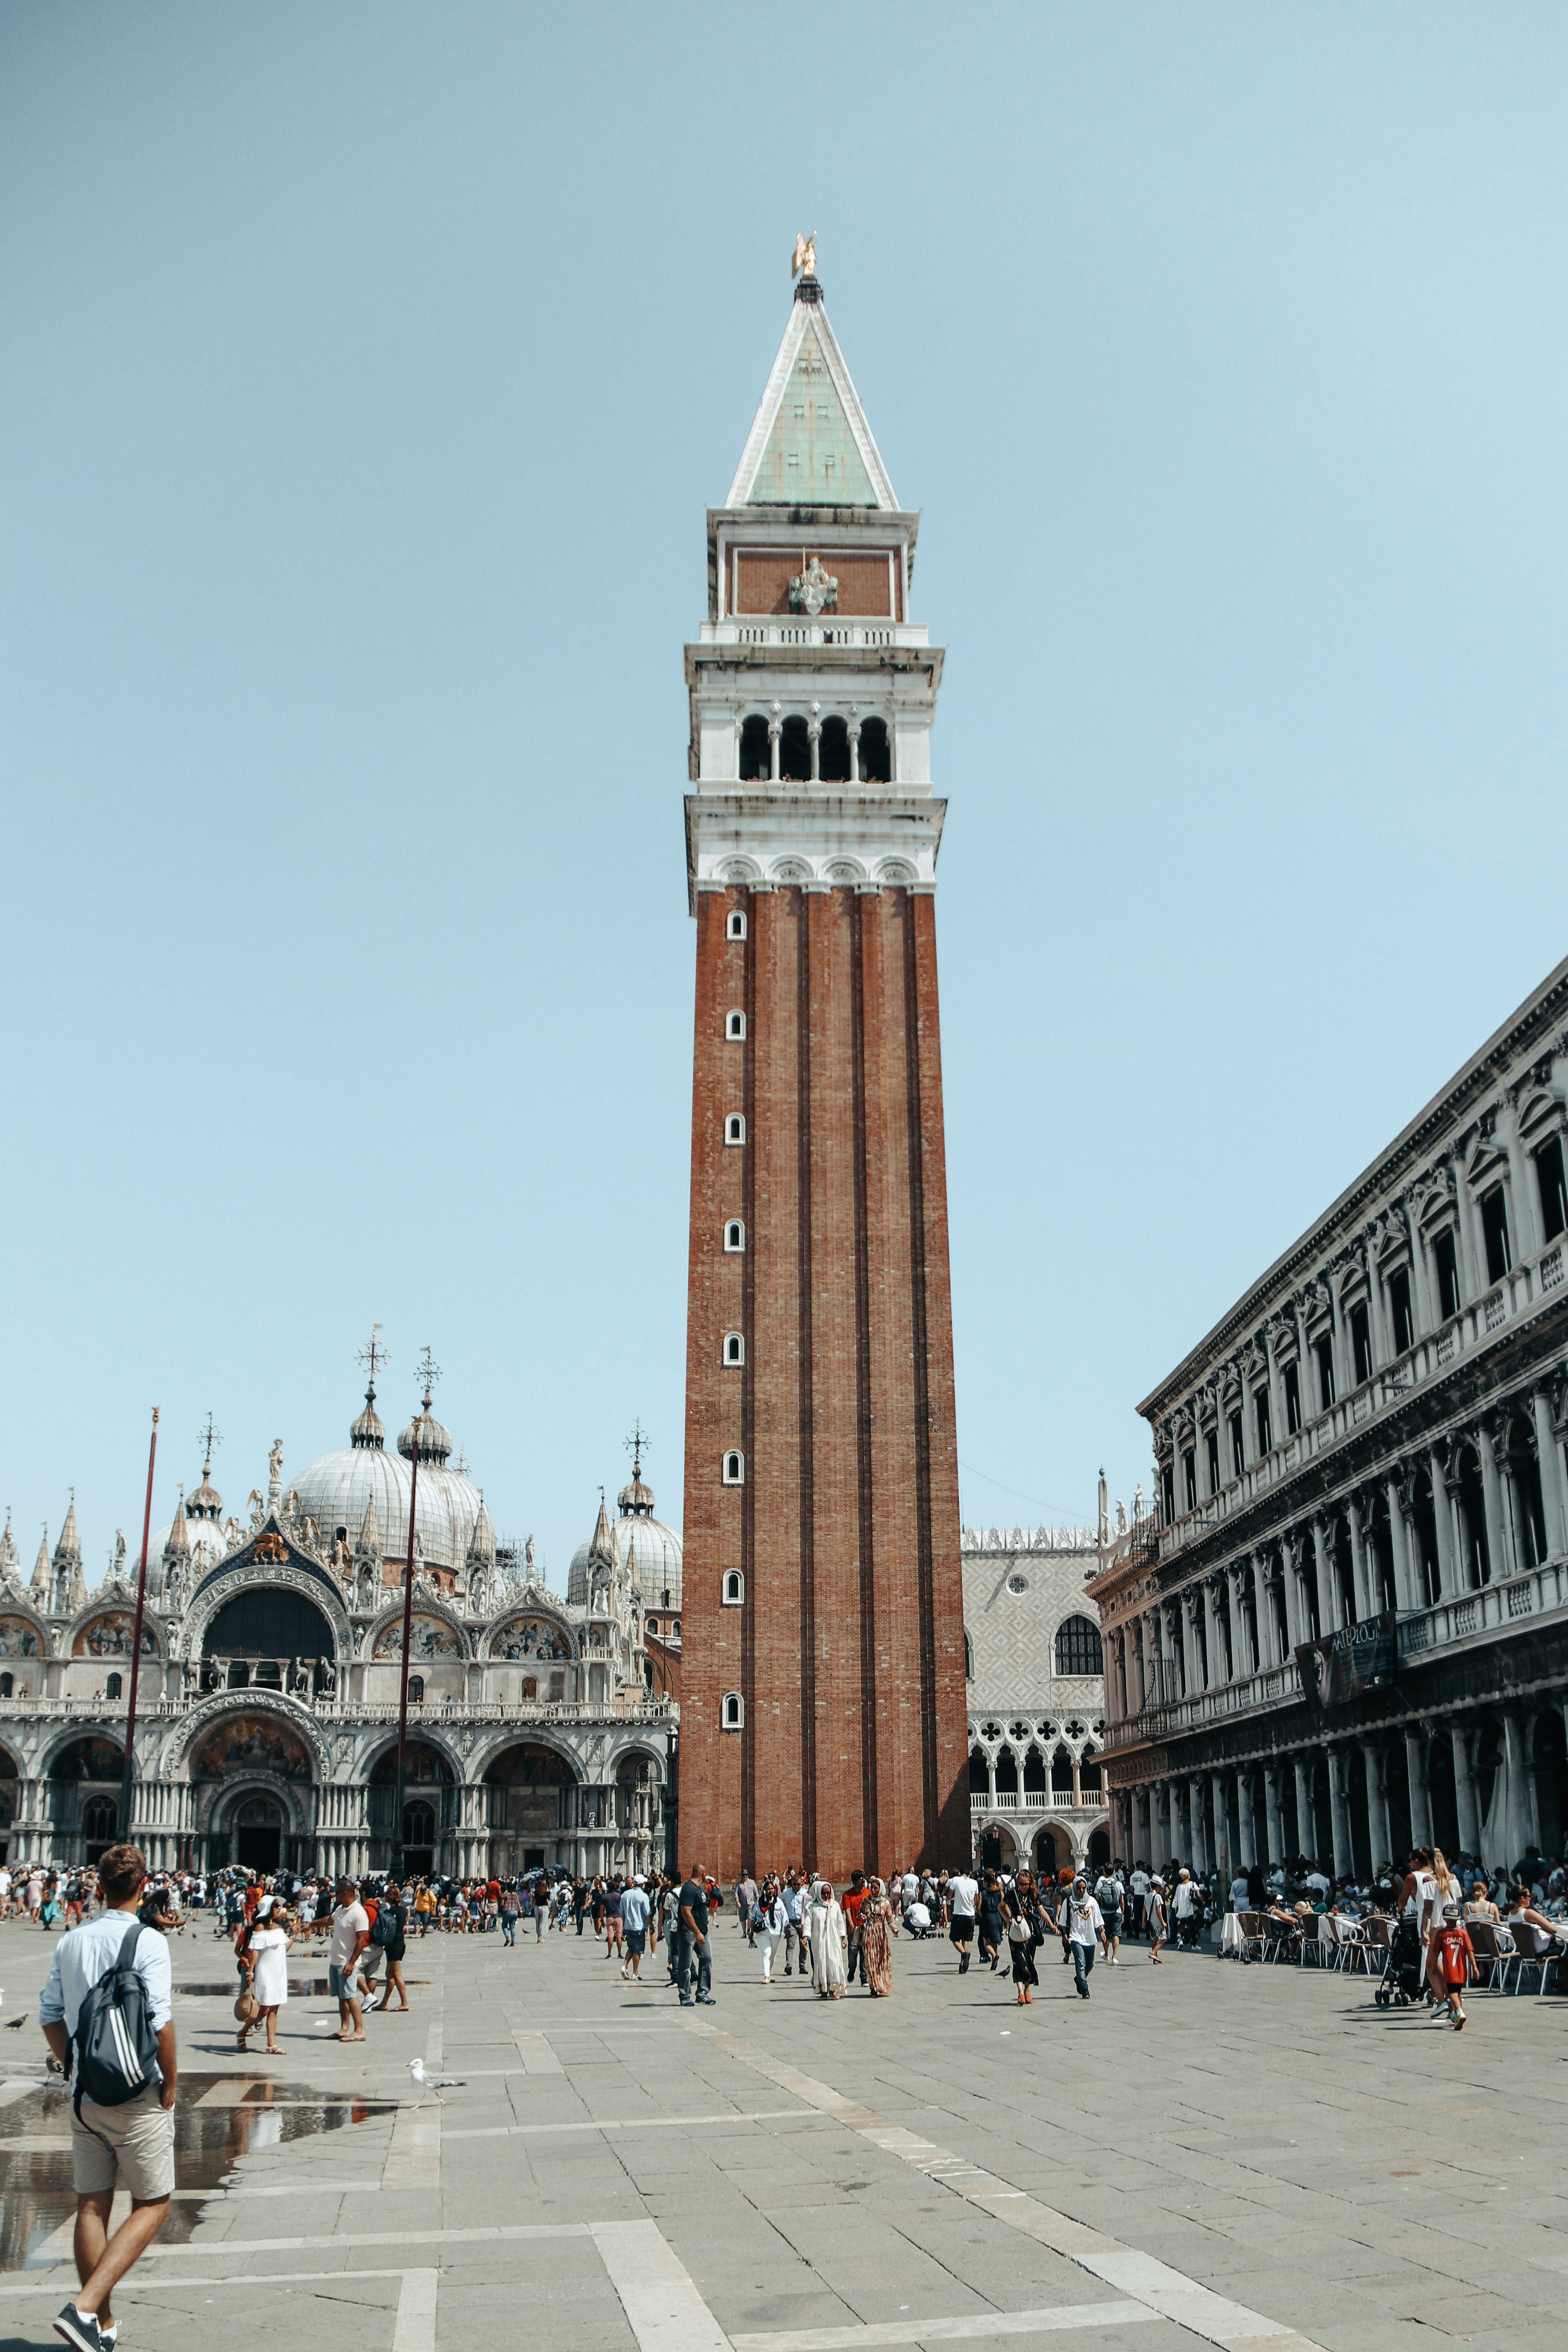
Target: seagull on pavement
<point x="436" y="2083"/>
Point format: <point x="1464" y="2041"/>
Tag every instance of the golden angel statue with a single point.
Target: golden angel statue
<point x="805" y="262"/>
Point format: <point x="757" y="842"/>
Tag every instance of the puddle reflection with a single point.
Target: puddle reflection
<point x="35" y="2192"/>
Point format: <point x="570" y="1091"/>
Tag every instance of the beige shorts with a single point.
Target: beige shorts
<point x="139" y="2155"/>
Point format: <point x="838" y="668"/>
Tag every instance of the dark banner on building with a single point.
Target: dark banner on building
<point x="1344" y="1664"/>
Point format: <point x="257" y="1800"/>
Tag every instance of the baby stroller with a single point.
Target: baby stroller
<point x="1400" y="1983"/>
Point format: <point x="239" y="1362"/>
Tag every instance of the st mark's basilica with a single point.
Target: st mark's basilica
<point x="540" y="1730"/>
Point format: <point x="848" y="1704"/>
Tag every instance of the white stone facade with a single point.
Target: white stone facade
<point x="1034" y="1732"/>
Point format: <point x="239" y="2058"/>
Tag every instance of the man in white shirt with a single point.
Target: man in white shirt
<point x="1138" y="1887"/>
<point x="351" y="1937"/>
<point x="635" y="1910"/>
<point x="962" y="1894"/>
<point x="1085" y="1925"/>
<point x="131" y="2145"/>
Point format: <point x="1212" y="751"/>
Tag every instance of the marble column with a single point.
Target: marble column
<point x="1406" y="1591"/>
<point x="1504" y="1564"/>
<point x="1247" y="1826"/>
<point x="1340" y="1812"/>
<point x="1420" y="1792"/>
<point x="1276" y="1812"/>
<point x="1361" y="1576"/>
<point x="1162" y="1843"/>
<point x="1331" y="1599"/>
<point x="1448" y="1581"/>
<point x="1197" y="1820"/>
<point x="1523" y="1802"/>
<point x="1243" y="1659"/>
<point x="1473" y="1283"/>
<point x="1213" y="1635"/>
<point x="1305" y="1819"/>
<point x="1375" y="1757"/>
<point x="1466" y="1786"/>
<point x="1553" y="1489"/>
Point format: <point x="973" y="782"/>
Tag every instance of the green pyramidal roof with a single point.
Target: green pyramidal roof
<point x="810" y="444"/>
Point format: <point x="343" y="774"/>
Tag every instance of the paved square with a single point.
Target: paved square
<point x="1201" y="2154"/>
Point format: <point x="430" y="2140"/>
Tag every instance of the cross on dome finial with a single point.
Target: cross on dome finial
<point x="208" y="1438"/>
<point x="429" y="1372"/>
<point x="374" y="1355"/>
<point x="637" y="1445"/>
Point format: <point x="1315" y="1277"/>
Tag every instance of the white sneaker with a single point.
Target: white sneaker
<point x="1115" y="1963"/>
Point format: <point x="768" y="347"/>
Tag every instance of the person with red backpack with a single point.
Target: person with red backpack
<point x="107" y="2014"/>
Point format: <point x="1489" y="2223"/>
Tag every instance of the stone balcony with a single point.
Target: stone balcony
<point x="1059" y="1801"/>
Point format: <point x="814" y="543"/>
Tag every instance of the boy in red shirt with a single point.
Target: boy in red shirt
<point x="1455" y="1956"/>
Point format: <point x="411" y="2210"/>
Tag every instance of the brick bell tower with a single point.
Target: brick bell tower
<point x="823" y="1705"/>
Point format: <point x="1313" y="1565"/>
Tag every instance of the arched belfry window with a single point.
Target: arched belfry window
<point x="732" y="1715"/>
<point x="735" y="1469"/>
<point x="794" y="752"/>
<point x="735" y="927"/>
<point x="756" y="760"/>
<point x="833" y="753"/>
<point x="876" y="753"/>
<point x="735" y="1128"/>
<point x="734" y="1234"/>
<point x="734" y="1026"/>
<point x="734" y="1349"/>
<point x="734" y="1591"/>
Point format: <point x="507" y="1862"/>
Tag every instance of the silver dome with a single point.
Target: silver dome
<point x="659" y="1560"/>
<point x="335" y="1490"/>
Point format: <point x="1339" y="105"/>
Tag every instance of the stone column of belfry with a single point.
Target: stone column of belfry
<point x="843" y="1658"/>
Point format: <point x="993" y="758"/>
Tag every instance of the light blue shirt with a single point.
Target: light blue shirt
<point x="86" y="1953"/>
<point x="791" y="1899"/>
<point x="635" y="1908"/>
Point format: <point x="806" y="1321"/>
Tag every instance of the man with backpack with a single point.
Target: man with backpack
<point x="107" y="2005"/>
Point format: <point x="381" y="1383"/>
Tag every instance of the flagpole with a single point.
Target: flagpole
<point x="128" y="1771"/>
<point x="428" y="1370"/>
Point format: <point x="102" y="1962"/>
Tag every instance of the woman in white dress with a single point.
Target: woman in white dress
<point x="268" y="1956"/>
<point x="772" y="1923"/>
<point x="829" y="1943"/>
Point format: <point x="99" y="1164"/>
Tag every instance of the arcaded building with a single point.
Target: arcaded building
<point x="1034" y="1674"/>
<point x="822" y="1711"/>
<point x="541" y="1730"/>
<point x="1348" y="1627"/>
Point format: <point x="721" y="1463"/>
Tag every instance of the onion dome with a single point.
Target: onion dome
<point x="434" y="1441"/>
<point x="205" y="1502"/>
<point x="658" y="1561"/>
<point x="338" y="1489"/>
<point x="366" y="1434"/>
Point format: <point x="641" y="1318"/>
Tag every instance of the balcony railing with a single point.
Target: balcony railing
<point x="1092" y="1801"/>
<point x="796" y="630"/>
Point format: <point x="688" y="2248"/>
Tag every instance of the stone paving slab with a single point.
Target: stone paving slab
<point x="1349" y="2178"/>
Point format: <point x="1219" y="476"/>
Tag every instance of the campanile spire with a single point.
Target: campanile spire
<point x="823" y="1706"/>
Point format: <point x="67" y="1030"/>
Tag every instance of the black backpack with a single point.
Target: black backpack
<point x="115" y="2047"/>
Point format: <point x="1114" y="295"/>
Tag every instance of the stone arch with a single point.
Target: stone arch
<point x="100" y="1631"/>
<point x="995" y="1837"/>
<point x="1052" y="1850"/>
<point x="19" y="1625"/>
<point x="226" y="1584"/>
<point x="222" y="1707"/>
<point x="542" y="1613"/>
<point x="1076" y="1639"/>
<point x="754" y="752"/>
<point x="377" y="1646"/>
<point x="379" y="1764"/>
<point x="82" y="1772"/>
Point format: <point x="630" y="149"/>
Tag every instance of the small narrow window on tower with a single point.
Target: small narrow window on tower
<point x="735" y="1469"/>
<point x="734" y="1588"/>
<point x="1399" y="1307"/>
<point x="734" y="1348"/>
<point x="1446" y="1258"/>
<point x="735" y="929"/>
<point x="734" y="1127"/>
<point x="734" y="1234"/>
<point x="734" y="1026"/>
<point x="734" y="1713"/>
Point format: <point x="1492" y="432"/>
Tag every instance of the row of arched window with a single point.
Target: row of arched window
<point x="825" y="754"/>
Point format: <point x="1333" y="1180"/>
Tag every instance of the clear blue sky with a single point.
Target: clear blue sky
<point x="366" y="373"/>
